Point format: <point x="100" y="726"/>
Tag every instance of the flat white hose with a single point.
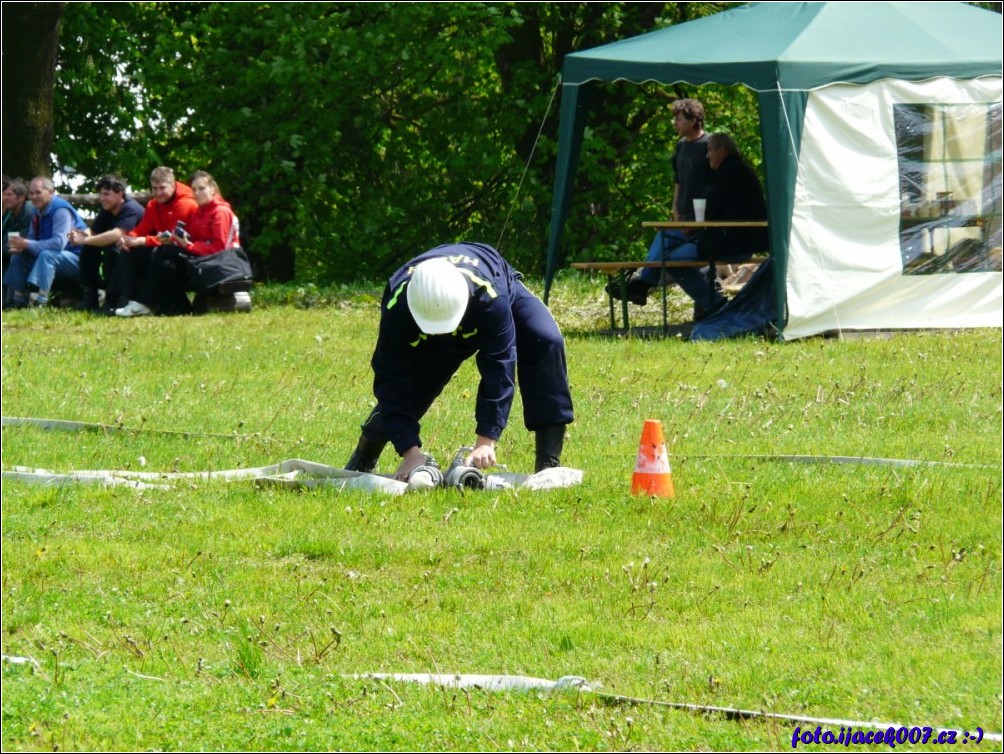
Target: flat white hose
<point x="294" y="472"/>
<point x="579" y="684"/>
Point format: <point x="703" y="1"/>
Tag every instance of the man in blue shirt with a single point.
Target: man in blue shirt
<point x="441" y="308"/>
<point x="46" y="254"/>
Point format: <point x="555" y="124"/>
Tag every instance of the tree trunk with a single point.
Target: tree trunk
<point x="30" y="49"/>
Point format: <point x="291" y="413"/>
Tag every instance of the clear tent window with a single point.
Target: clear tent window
<point x="950" y="187"/>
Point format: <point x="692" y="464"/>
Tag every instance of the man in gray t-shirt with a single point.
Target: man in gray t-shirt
<point x="693" y="176"/>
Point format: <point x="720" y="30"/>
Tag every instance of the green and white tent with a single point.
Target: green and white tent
<point x="881" y="125"/>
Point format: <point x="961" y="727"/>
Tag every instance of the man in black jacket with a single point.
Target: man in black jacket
<point x="735" y="194"/>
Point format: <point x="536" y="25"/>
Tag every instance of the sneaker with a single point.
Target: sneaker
<point x="88" y="301"/>
<point x="133" y="309"/>
<point x="638" y="291"/>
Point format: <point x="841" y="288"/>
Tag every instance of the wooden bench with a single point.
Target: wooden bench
<point x="619" y="271"/>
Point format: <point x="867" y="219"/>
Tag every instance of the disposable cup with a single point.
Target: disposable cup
<point x="699" y="205"/>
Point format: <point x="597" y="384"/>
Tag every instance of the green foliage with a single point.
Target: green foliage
<point x="107" y="119"/>
<point x="314" y="98"/>
<point x="356" y="135"/>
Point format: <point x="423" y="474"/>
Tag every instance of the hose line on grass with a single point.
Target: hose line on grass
<point x="862" y="460"/>
<point x="581" y="685"/>
<point x="74" y="426"/>
<point x="488" y="682"/>
<point x="292" y="473"/>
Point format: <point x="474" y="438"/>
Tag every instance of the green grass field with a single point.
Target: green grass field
<point x="218" y="615"/>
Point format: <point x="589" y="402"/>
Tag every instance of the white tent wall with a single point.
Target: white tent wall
<point x="845" y="264"/>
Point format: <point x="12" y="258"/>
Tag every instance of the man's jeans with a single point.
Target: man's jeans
<point x="41" y="271"/>
<point x="674" y="246"/>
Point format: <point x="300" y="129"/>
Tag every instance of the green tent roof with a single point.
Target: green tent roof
<point x="804" y="46"/>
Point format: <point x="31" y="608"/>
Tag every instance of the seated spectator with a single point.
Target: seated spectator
<point x="119" y="214"/>
<point x="17" y="212"/>
<point x="211" y="229"/>
<point x="171" y="201"/>
<point x="735" y="194"/>
<point x="46" y="255"/>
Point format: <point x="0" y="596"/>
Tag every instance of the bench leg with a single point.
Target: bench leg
<point x="621" y="280"/>
<point x="613" y="322"/>
<point x="665" y="305"/>
<point x="624" y="299"/>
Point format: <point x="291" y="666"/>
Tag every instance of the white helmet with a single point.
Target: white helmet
<point x="437" y="296"/>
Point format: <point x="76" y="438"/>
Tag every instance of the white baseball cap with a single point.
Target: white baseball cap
<point x="437" y="296"/>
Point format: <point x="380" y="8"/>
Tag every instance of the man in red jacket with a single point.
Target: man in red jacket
<point x="171" y="201"/>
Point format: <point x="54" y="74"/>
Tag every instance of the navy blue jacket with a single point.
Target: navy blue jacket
<point x="48" y="235"/>
<point x="410" y="368"/>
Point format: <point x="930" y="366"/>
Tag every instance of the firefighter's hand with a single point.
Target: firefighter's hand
<point x="412" y="459"/>
<point x="483" y="455"/>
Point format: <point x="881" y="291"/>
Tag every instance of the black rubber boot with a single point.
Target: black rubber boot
<point x="365" y="456"/>
<point x="88" y="300"/>
<point x="637" y="290"/>
<point x="550" y="439"/>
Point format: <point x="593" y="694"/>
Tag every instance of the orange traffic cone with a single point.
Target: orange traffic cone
<point x="652" y="475"/>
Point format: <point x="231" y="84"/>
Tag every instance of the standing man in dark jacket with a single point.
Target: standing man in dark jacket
<point x="693" y="181"/>
<point x="441" y="308"/>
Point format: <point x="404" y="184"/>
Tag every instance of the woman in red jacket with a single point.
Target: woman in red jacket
<point x="214" y="225"/>
<point x="212" y="228"/>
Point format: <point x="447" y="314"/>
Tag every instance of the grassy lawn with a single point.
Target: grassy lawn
<point x="231" y="616"/>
